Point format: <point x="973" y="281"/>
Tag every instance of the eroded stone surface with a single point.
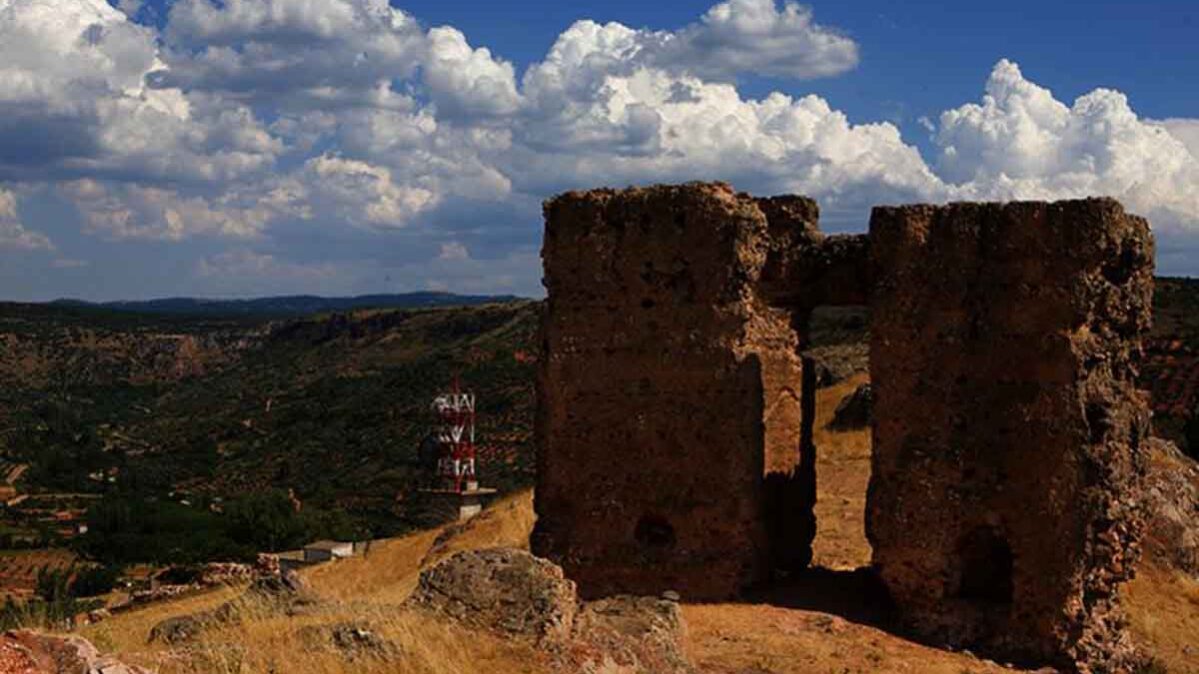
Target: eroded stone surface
<point x="629" y="635"/>
<point x="1009" y="437"/>
<point x="502" y="589"/>
<point x="29" y="652"/>
<point x="514" y="594"/>
<point x="668" y="389"/>
<point x="1172" y="507"/>
<point x="1005" y="504"/>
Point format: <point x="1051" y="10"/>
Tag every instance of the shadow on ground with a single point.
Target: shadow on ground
<point x="857" y="596"/>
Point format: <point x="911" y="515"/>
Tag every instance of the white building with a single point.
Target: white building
<point x="324" y="551"/>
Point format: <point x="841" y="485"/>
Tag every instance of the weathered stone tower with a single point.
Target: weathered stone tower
<point x="1008" y="430"/>
<point x="674" y="419"/>
<point x="668" y="391"/>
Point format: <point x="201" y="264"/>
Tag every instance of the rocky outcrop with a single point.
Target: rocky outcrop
<point x="854" y="410"/>
<point x="27" y="652"/>
<point x="516" y="595"/>
<point x="629" y="635"/>
<point x="501" y="589"/>
<point x="1172" y="508"/>
<point x="353" y="641"/>
<point x="282" y="592"/>
<point x="1009" y="437"/>
<point x="179" y="629"/>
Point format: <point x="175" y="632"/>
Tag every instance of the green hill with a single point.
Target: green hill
<point x="154" y="409"/>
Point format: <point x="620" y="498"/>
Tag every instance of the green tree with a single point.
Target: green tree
<point x="267" y="521"/>
<point x="53" y="585"/>
<point x="94" y="581"/>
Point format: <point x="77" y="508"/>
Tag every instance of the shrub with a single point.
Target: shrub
<point x="94" y="581"/>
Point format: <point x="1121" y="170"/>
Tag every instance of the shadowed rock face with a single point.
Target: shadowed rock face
<point x="668" y="389"/>
<point x="1009" y="437"/>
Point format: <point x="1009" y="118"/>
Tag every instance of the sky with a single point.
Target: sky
<point x="260" y="147"/>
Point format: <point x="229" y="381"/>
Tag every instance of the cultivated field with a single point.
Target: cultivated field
<point x="18" y="569"/>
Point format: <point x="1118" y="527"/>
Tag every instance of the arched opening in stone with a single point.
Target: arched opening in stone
<point x="654" y="532"/>
<point x="985" y="557"/>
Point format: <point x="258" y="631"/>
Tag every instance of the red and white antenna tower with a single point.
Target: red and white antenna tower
<point x="457" y="454"/>
<point x="455" y="433"/>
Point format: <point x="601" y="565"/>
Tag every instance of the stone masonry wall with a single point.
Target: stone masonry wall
<point x="1009" y="437"/>
<point x="665" y="384"/>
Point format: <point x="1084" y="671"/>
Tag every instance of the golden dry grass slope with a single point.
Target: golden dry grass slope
<point x="822" y="624"/>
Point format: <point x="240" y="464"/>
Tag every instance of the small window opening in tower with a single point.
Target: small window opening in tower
<point x="986" y="567"/>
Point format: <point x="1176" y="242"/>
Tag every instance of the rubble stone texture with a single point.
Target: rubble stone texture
<point x="513" y="594"/>
<point x="503" y="589"/>
<point x="670" y="391"/>
<point x="29" y="652"/>
<point x="1010" y="442"/>
<point x="1171" y="499"/>
<point x="1011" y="449"/>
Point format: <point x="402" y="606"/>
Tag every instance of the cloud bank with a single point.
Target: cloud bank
<point x="332" y="144"/>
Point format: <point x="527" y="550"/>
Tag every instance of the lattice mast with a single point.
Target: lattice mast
<point x="455" y="433"/>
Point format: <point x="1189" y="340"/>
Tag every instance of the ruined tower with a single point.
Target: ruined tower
<point x="668" y="389"/>
<point x="1008" y="431"/>
<point x="674" y="419"/>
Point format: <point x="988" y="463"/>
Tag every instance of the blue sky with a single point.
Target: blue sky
<point x="272" y="146"/>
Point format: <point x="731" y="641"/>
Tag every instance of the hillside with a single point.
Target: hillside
<point x="828" y="621"/>
<point x="290" y="305"/>
<point x="334" y="407"/>
<point x="1171" y="373"/>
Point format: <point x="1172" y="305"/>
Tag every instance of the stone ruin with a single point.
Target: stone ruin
<point x="675" y="412"/>
<point x="671" y="407"/>
<point x="1008" y="431"/>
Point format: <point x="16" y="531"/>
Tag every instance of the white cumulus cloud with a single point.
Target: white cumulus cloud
<point x="1185" y="130"/>
<point x="288" y="125"/>
<point x="1021" y="142"/>
<point x="133" y="211"/>
<point x="13" y="234"/>
<point x="757" y="36"/>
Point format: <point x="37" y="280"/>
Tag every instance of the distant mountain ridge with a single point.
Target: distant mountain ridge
<point x="288" y="305"/>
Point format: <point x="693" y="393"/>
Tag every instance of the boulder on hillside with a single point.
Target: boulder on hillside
<point x="177" y="630"/>
<point x="1172" y="507"/>
<point x="502" y="589"/>
<point x="629" y="635"/>
<point x="355" y="641"/>
<point x="854" y="410"/>
<point x="28" y="652"/>
<point x="514" y="593"/>
<point x="285" y="593"/>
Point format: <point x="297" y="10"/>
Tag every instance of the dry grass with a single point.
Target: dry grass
<point x="261" y="639"/>
<point x="364" y="590"/>
<point x="389" y="571"/>
<point x="765" y="639"/>
<point x="1163" y="610"/>
<point x="842" y="474"/>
